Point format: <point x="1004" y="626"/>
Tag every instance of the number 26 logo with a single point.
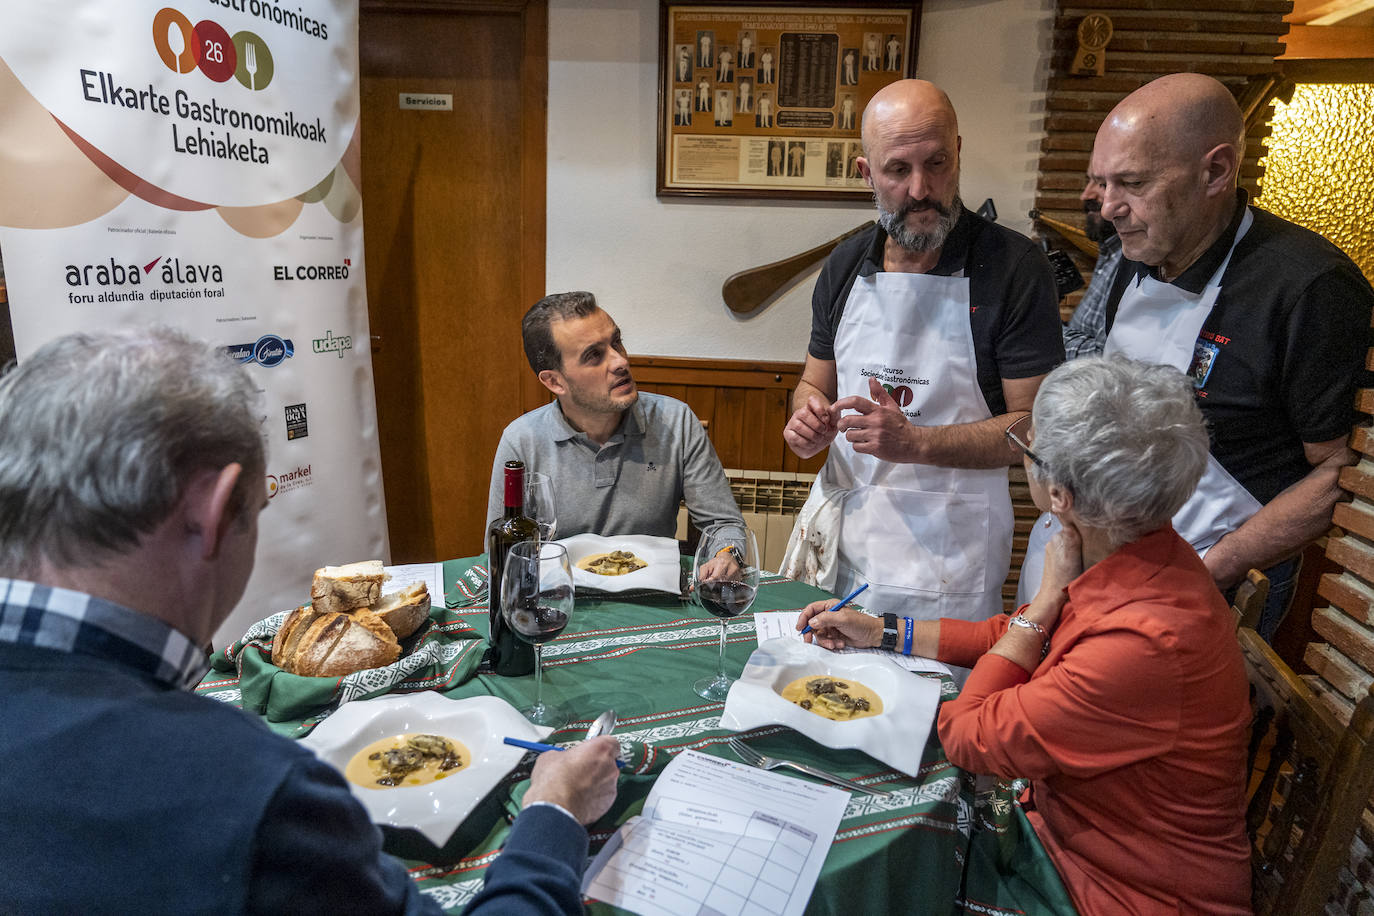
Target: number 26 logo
<point x="206" y="46"/>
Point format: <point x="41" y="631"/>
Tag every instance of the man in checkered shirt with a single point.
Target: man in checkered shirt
<point x="131" y="478"/>
<point x="1086" y="331"/>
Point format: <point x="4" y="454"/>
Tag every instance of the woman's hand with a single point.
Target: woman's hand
<point x="1063" y="564"/>
<point x="841" y="629"/>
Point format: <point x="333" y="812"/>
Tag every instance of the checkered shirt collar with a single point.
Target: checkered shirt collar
<point x="74" y="622"/>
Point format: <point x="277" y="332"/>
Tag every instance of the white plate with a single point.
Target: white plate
<point x="435" y="810"/>
<point x="663" y="574"/>
<point x="896" y="736"/>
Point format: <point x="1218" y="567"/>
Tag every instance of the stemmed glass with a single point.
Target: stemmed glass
<point x="537" y="602"/>
<point x="539" y="503"/>
<point x="725" y="578"/>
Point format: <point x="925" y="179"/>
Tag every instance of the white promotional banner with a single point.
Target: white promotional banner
<point x="198" y="165"/>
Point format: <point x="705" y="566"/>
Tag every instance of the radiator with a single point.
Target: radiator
<point x="769" y="502"/>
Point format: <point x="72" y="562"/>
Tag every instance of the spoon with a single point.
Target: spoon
<point x="604" y="725"/>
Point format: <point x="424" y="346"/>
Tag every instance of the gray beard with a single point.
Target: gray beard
<point x="894" y="224"/>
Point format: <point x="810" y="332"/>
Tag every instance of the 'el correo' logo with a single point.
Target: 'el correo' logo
<point x="270" y="350"/>
<point x="312" y="271"/>
<point x="331" y="344"/>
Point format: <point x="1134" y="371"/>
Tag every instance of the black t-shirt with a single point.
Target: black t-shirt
<point x="1279" y="358"/>
<point x="1013" y="313"/>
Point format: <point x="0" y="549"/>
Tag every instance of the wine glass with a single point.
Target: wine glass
<point x="539" y="503"/>
<point x="725" y="578"/>
<point x="537" y="602"/>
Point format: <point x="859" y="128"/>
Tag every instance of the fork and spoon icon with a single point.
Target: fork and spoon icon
<point x="176" y="43"/>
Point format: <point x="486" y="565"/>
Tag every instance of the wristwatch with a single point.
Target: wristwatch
<point x="1016" y="620"/>
<point x="889" y="633"/>
<point x="735" y="553"/>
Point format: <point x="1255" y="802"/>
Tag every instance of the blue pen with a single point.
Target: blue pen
<point x="541" y="748"/>
<point x="847" y="598"/>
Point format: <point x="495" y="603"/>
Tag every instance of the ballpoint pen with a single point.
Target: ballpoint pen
<point x="539" y="747"/>
<point x="843" y="601"/>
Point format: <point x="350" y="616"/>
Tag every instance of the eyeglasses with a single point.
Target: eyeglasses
<point x="1020" y="444"/>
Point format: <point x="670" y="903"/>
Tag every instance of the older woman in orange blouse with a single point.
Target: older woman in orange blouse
<point x="1119" y="691"/>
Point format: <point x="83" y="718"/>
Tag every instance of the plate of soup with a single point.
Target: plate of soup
<point x="421" y="760"/>
<point x="624" y="563"/>
<point x="840" y="700"/>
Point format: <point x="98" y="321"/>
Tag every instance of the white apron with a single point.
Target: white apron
<point x="929" y="541"/>
<point x="1159" y="323"/>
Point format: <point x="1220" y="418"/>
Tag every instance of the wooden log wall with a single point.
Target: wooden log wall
<point x="1235" y="41"/>
<point x="1344" y="662"/>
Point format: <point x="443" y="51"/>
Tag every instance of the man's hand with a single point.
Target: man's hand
<point x="842" y="629"/>
<point x="721" y="566"/>
<point x="811" y="428"/>
<point x="581" y="780"/>
<point x="879" y="427"/>
<point x="1287" y="523"/>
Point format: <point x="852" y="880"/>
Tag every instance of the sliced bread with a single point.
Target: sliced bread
<point x="404" y="610"/>
<point x="339" y="589"/>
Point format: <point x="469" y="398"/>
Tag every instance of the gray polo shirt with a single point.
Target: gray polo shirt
<point x="632" y="484"/>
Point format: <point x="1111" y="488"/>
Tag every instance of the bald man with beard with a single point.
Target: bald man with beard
<point x="930" y="334"/>
<point x="1269" y="320"/>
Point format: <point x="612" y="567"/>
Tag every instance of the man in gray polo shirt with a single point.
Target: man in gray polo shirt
<point x="621" y="461"/>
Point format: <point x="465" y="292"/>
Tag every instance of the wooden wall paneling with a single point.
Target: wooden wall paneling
<point x="703" y="403"/>
<point x="744" y="403"/>
<point x="727" y="426"/>
<point x="777" y="410"/>
<point x="754" y="433"/>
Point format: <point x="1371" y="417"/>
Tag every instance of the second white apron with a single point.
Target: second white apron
<point x="929" y="541"/>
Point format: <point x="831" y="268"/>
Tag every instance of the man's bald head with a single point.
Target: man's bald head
<point x="1184" y="114"/>
<point x="903" y="107"/>
<point x="911" y="161"/>
<point x="1166" y="163"/>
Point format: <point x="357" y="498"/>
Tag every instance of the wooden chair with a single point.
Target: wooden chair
<point x="1307" y="797"/>
<point x="1250" y="597"/>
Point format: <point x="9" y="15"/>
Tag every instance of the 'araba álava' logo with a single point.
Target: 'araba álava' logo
<point x="173" y="272"/>
<point x="107" y="280"/>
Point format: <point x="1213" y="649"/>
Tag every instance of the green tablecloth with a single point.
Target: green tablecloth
<point x="904" y="853"/>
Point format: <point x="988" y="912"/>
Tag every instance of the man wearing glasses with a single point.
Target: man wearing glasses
<point x="1269" y="320"/>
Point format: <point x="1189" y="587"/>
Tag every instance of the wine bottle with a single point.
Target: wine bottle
<point x="511" y="656"/>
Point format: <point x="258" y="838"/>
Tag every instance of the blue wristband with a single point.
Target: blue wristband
<point x="906" y="641"/>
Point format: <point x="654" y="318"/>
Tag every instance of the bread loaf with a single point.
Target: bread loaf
<point x="289" y="635"/>
<point x="344" y="588"/>
<point x="314" y="644"/>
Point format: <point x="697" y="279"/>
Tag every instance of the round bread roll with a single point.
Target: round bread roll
<point x="314" y="644"/>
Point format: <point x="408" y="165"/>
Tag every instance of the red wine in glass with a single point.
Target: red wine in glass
<point x="725" y="599"/>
